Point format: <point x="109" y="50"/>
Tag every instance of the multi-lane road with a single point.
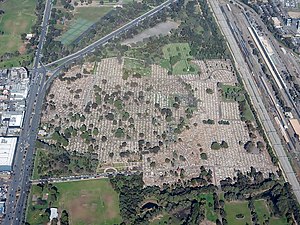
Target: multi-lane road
<point x="20" y="184"/>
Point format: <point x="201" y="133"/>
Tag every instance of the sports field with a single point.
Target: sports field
<point x="18" y="18"/>
<point x="76" y="29"/>
<point x="234" y="208"/>
<point x="87" y="202"/>
<point x="84" y="18"/>
<point x="177" y="59"/>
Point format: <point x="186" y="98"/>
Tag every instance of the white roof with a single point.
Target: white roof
<point x="16" y="120"/>
<point x="53" y="214"/>
<point x="7" y="150"/>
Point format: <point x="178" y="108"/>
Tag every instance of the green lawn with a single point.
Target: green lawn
<point x="87" y="202"/>
<point x="209" y="207"/>
<point x="136" y="67"/>
<point x="91" y="14"/>
<point x="177" y="59"/>
<point x="15" y="61"/>
<point x="18" y="18"/>
<point x="234" y="208"/>
<point x="38" y="155"/>
<point x="264" y="214"/>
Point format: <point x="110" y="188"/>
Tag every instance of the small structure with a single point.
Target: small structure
<point x="53" y="213"/>
<point x="276" y="22"/>
<point x="2" y="208"/>
<point x="29" y="36"/>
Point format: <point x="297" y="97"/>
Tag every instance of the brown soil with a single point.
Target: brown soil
<point x="207" y="222"/>
<point x="22" y="49"/>
<point x="79" y="209"/>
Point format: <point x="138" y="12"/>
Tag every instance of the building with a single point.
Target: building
<point x="298" y="27"/>
<point x="296" y="126"/>
<point x="53" y="213"/>
<point x="7" y="152"/>
<point x="2" y="208"/>
<point x="276" y="22"/>
<point x="289" y="22"/>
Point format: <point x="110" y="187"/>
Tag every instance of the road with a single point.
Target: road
<point x="110" y="36"/>
<point x="23" y="162"/>
<point x="84" y="177"/>
<point x="255" y="97"/>
<point x="19" y="186"/>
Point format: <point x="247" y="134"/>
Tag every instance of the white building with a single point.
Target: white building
<point x="7" y="152"/>
<point x="53" y="213"/>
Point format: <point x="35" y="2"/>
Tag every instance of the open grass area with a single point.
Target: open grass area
<point x="84" y="18"/>
<point x="136" y="67"/>
<point x="91" y="14"/>
<point x="15" y="61"/>
<point x="234" y="208"/>
<point x="87" y="202"/>
<point x="209" y="207"/>
<point x="177" y="59"/>
<point x="38" y="156"/>
<point x="18" y="18"/>
<point x="263" y="214"/>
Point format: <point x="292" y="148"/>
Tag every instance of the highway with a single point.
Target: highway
<point x="20" y="185"/>
<point x="110" y="36"/>
<point x="256" y="99"/>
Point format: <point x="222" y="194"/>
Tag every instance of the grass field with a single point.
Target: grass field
<point x="87" y="202"/>
<point x="91" y="14"/>
<point x="136" y="67"/>
<point x="234" y="208"/>
<point x="15" y="61"/>
<point x="177" y="59"/>
<point x="209" y="207"/>
<point x="18" y="18"/>
<point x="83" y="18"/>
<point x="263" y="214"/>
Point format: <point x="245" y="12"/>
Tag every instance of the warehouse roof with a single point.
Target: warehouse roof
<point x="7" y="150"/>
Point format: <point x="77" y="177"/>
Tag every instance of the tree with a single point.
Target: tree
<point x="64" y="219"/>
<point x="224" y="144"/>
<point x="215" y="146"/>
<point x="203" y="156"/>
<point x="249" y="146"/>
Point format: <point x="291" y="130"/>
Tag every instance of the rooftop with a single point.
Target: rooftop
<point x="7" y="150"/>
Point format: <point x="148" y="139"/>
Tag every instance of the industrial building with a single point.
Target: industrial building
<point x="7" y="152"/>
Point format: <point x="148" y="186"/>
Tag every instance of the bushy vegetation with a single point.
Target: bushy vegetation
<point x="196" y="200"/>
